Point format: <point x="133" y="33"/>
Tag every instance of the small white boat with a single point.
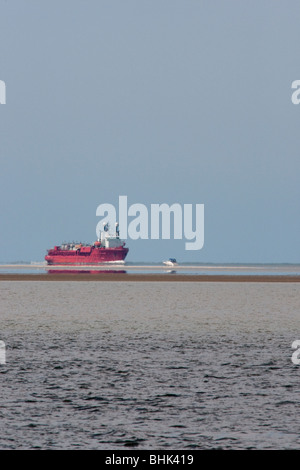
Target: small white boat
<point x="170" y="262"/>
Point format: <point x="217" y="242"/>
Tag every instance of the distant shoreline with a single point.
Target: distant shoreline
<point x="157" y="277"/>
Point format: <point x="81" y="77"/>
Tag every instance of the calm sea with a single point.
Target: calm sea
<point x="39" y="267"/>
<point x="149" y="365"/>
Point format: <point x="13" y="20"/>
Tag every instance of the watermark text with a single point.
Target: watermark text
<point x="296" y="94"/>
<point x="296" y="354"/>
<point x="2" y="92"/>
<point x="188" y="221"/>
<point x="2" y="353"/>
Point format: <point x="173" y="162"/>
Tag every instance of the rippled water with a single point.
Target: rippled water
<point x="149" y="365"/>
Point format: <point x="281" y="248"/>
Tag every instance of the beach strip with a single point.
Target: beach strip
<point x="147" y="277"/>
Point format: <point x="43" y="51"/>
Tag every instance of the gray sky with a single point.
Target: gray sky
<point x="185" y="101"/>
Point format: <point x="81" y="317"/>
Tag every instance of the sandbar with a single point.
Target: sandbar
<point x="147" y="277"/>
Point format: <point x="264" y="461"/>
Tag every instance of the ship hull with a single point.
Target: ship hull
<point x="94" y="256"/>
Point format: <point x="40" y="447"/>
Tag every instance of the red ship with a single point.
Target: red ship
<point x="107" y="249"/>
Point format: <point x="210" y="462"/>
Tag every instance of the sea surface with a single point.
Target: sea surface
<point x="40" y="267"/>
<point x="149" y="365"/>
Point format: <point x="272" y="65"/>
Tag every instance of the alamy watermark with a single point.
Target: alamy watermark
<point x="157" y="224"/>
<point x="296" y="354"/>
<point x="2" y="353"/>
<point x="2" y="92"/>
<point x="296" y="94"/>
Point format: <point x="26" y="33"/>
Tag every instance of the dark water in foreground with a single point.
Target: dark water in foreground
<point x="149" y="365"/>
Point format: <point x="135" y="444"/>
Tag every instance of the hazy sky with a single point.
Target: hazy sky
<point x="165" y="101"/>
